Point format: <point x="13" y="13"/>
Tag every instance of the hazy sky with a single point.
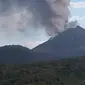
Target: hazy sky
<point x="18" y="18"/>
<point x="77" y="8"/>
<point x="78" y="11"/>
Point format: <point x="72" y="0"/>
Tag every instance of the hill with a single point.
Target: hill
<point x="15" y="54"/>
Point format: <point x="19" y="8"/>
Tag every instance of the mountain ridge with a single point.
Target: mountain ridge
<point x="70" y="43"/>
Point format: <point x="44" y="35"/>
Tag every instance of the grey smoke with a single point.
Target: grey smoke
<point x="17" y="24"/>
<point x="72" y="24"/>
<point x="27" y="21"/>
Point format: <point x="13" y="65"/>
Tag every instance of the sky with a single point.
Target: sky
<point x="78" y="11"/>
<point x="77" y="8"/>
<point x="18" y="18"/>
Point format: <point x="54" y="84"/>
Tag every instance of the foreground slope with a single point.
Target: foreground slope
<point x="62" y="72"/>
<point x="69" y="43"/>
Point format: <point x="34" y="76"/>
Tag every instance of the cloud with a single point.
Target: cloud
<point x="17" y="25"/>
<point x="77" y="4"/>
<point x="32" y="44"/>
<point x="27" y="21"/>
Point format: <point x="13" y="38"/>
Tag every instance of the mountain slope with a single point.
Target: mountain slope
<point x="68" y="43"/>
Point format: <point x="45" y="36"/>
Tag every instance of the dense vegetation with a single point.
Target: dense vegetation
<point x="62" y="72"/>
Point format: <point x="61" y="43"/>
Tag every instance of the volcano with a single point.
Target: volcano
<point x="69" y="43"/>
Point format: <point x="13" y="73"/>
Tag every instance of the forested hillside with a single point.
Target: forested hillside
<point x="62" y="72"/>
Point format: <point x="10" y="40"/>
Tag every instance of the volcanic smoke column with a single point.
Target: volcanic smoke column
<point x="31" y="20"/>
<point x="61" y="9"/>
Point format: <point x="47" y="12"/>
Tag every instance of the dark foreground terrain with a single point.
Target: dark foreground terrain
<point x="61" y="72"/>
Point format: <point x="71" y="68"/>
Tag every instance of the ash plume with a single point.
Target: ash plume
<point x="72" y="24"/>
<point x="31" y="20"/>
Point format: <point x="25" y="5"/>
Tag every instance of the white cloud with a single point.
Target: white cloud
<point x="77" y="4"/>
<point x="32" y="44"/>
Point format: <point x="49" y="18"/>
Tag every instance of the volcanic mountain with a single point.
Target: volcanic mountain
<point x="69" y="43"/>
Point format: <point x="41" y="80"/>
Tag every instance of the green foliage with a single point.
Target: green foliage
<point x="62" y="72"/>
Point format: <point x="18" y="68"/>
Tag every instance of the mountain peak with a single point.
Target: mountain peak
<point x="65" y="44"/>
